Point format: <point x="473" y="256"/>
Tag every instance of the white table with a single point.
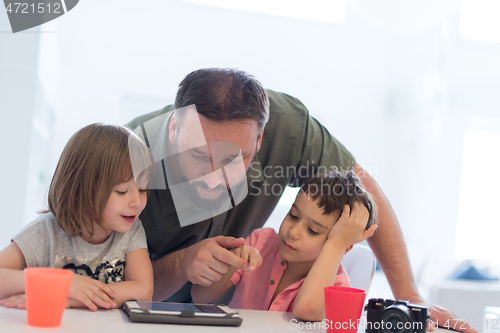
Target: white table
<point x="467" y="299"/>
<point x="109" y="321"/>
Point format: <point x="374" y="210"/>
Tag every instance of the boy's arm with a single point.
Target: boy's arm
<point x="309" y="304"/>
<point x="349" y="229"/>
<point x="12" y="263"/>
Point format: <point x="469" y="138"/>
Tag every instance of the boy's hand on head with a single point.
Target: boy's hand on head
<point x="251" y="255"/>
<point x="91" y="292"/>
<point x="350" y="227"/>
<point x="15" y="301"/>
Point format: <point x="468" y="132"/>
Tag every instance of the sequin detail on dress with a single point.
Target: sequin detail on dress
<point x="105" y="270"/>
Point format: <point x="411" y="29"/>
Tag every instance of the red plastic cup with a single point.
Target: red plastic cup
<point x="47" y="292"/>
<point x="343" y="308"/>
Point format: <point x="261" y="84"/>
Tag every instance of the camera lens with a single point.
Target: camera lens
<point x="396" y="319"/>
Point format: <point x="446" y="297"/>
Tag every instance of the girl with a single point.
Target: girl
<point x="91" y="226"/>
<point x="330" y="213"/>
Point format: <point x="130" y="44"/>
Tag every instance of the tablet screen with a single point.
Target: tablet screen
<point x="177" y="308"/>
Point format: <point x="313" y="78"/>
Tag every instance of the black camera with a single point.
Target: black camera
<point x="389" y="316"/>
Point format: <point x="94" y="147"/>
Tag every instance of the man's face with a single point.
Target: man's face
<point x="203" y="154"/>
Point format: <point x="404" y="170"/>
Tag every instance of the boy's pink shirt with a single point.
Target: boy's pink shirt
<point x="255" y="289"/>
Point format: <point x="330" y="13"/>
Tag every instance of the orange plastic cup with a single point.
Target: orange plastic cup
<point x="343" y="308"/>
<point x="47" y="292"/>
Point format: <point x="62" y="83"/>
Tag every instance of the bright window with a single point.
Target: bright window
<point x="480" y="20"/>
<point x="333" y="11"/>
<point x="478" y="226"/>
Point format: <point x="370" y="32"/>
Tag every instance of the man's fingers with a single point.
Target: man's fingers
<point x="229" y="242"/>
<point x="458" y="325"/>
<point x="217" y="267"/>
<point x="203" y="282"/>
<point x="464" y="327"/>
<point x="447" y="319"/>
<point x="228" y="257"/>
<point x="211" y="275"/>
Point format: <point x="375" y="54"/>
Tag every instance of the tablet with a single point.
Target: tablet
<point x="181" y="313"/>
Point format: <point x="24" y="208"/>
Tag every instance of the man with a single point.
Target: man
<point x="232" y="107"/>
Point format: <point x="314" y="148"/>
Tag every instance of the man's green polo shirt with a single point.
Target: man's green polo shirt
<point x="295" y="146"/>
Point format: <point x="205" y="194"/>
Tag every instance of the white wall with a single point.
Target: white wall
<point x="18" y="89"/>
<point x="398" y="98"/>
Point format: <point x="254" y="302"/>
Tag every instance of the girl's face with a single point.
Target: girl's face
<point x="126" y="202"/>
<point x="304" y="230"/>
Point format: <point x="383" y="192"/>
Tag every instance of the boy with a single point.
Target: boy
<point x="330" y="213"/>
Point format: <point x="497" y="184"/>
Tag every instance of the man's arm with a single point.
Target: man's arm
<point x="205" y="295"/>
<point x="202" y="263"/>
<point x="395" y="263"/>
<point x="390" y="249"/>
<point x="168" y="275"/>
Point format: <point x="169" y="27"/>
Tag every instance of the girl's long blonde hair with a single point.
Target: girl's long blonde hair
<point x="95" y="159"/>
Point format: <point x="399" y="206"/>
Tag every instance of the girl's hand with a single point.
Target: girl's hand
<point x="350" y="228"/>
<point x="91" y="292"/>
<point x="251" y="255"/>
<point x="15" y="301"/>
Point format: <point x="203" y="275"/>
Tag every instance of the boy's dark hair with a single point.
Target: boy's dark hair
<point x="224" y="94"/>
<point x="336" y="189"/>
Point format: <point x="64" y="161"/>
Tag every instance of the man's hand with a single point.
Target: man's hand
<point x="350" y="227"/>
<point x="442" y="317"/>
<point x="251" y="256"/>
<point x="15" y="301"/>
<point x="206" y="261"/>
<point x="91" y="292"/>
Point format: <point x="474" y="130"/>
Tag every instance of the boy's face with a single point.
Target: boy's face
<point x="304" y="230"/>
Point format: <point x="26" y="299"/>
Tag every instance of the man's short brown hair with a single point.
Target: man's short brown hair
<point x="224" y="94"/>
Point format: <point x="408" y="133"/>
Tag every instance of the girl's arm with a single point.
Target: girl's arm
<point x="12" y="263"/>
<point x="138" y="281"/>
<point x="208" y="294"/>
<point x="349" y="229"/>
